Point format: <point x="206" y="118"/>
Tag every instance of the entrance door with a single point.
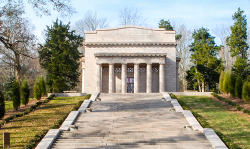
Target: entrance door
<point x="130" y="85"/>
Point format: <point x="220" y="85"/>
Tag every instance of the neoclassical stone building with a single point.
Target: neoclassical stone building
<point x="130" y="59"/>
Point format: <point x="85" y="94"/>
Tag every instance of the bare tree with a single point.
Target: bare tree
<point x="131" y="16"/>
<point x="223" y="31"/>
<point x="183" y="52"/>
<point x="43" y="7"/>
<point x="90" y="22"/>
<point x="16" y="39"/>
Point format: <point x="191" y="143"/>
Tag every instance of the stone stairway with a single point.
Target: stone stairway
<point x="131" y="121"/>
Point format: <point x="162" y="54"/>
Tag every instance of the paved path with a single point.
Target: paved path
<point x="131" y="121"/>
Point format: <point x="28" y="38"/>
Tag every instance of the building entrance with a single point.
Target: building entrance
<point x="130" y="85"/>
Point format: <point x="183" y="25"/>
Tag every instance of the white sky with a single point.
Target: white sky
<point x="194" y="13"/>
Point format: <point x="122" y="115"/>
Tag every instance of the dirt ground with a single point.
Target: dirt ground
<point x="237" y="101"/>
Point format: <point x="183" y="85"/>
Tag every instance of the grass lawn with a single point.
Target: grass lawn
<point x="232" y="126"/>
<point x="25" y="128"/>
<point x="8" y="105"/>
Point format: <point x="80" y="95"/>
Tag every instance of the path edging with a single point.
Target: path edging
<point x="209" y="133"/>
<point x="48" y="139"/>
<point x="214" y="139"/>
<point x="52" y="134"/>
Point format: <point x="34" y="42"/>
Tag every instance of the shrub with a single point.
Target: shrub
<point x="226" y="81"/>
<point x="42" y="86"/>
<point x="172" y="96"/>
<point x="246" y="91"/>
<point x="238" y="87"/>
<point x="2" y="105"/>
<point x="231" y="84"/>
<point x="88" y="96"/>
<point x="25" y="92"/>
<point x="16" y="95"/>
<point x="37" y="90"/>
<point x="221" y="81"/>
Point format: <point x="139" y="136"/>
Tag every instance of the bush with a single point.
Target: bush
<point x="172" y="96"/>
<point x="226" y="81"/>
<point x="238" y="87"/>
<point x="25" y="92"/>
<point x="42" y="86"/>
<point x="88" y="96"/>
<point x="37" y="90"/>
<point x="2" y="105"/>
<point x="246" y="91"/>
<point x="231" y="86"/>
<point x="16" y="95"/>
<point x="221" y="81"/>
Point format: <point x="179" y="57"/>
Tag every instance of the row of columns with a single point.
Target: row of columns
<point x="136" y="78"/>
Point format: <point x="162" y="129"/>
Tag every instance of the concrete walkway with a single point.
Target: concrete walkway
<point x="131" y="121"/>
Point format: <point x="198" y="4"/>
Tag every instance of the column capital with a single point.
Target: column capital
<point x="124" y="63"/>
<point x="98" y="63"/>
<point x="111" y="63"/>
<point x="136" y="63"/>
<point x="161" y="63"/>
<point x="149" y="63"/>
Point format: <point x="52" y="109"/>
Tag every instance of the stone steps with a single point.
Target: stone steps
<point x="177" y="145"/>
<point x="131" y="121"/>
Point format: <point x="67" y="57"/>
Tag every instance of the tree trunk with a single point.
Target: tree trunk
<point x="18" y="67"/>
<point x="203" y="86"/>
<point x="199" y="86"/>
<point x="208" y="83"/>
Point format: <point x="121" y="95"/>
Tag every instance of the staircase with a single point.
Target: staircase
<point x="131" y="121"/>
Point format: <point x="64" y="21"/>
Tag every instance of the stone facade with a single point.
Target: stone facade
<point x="130" y="59"/>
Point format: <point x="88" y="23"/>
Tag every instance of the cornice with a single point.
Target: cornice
<point x="128" y="43"/>
<point x="129" y="54"/>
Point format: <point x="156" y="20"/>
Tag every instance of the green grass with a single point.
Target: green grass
<point x="232" y="126"/>
<point x="25" y="128"/>
<point x="8" y="105"/>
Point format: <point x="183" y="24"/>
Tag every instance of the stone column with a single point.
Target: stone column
<point x="124" y="78"/>
<point x="161" y="78"/>
<point x="111" y="78"/>
<point x="136" y="78"/>
<point x="98" y="77"/>
<point x="149" y="78"/>
<point x="83" y="81"/>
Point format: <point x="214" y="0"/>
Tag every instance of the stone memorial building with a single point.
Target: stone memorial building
<point x="130" y="59"/>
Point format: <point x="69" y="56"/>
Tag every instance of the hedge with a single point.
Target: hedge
<point x="236" y="106"/>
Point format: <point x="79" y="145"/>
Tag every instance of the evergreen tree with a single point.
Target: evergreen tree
<point x="226" y="81"/>
<point x="25" y="92"/>
<point x="221" y="81"/>
<point x="165" y="24"/>
<point x="232" y="84"/>
<point x="37" y="89"/>
<point x="246" y="91"/>
<point x="168" y="26"/>
<point x="60" y="57"/>
<point x="237" y="42"/>
<point x="2" y="105"/>
<point x="204" y="56"/>
<point x="16" y="95"/>
<point x="42" y="86"/>
<point x="238" y="87"/>
<point x="241" y="67"/>
<point x="238" y="38"/>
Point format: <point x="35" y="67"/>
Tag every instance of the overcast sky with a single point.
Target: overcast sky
<point x="194" y="13"/>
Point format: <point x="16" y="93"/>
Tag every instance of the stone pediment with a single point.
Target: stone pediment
<point x="129" y="27"/>
<point x="130" y="35"/>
